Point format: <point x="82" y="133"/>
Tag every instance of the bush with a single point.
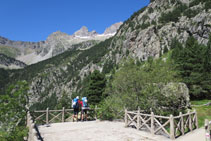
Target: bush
<point x="174" y="15"/>
<point x="207" y="5"/>
<point x="150" y="10"/>
<point x="13" y="112"/>
<point x="191" y="13"/>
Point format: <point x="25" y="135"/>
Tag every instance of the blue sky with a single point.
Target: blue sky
<point x="34" y="20"/>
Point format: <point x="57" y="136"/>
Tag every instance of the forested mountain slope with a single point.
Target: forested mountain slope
<point x="149" y="32"/>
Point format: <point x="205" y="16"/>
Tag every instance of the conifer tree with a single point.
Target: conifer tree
<point x="96" y="87"/>
<point x="207" y="70"/>
<point x="193" y="68"/>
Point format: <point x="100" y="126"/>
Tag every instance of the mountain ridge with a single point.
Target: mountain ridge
<point x="56" y="43"/>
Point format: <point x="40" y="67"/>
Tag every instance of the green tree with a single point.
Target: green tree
<point x="13" y="112"/>
<point x="207" y="70"/>
<point x="65" y="101"/>
<point x="165" y="49"/>
<point x="192" y="62"/>
<point x="96" y="87"/>
<point x="133" y="86"/>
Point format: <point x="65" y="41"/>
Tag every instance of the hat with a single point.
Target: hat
<point x="77" y="97"/>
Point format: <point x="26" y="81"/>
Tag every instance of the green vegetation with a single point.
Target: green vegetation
<point x="96" y="85"/>
<point x="9" y="51"/>
<point x="207" y="3"/>
<point x="193" y="63"/>
<point x="73" y="60"/>
<point x="132" y="86"/>
<point x="203" y="111"/>
<point x="3" y="78"/>
<point x="173" y="16"/>
<point x="200" y="102"/>
<point x="13" y="112"/>
<point x="49" y="102"/>
<point x="191" y="13"/>
<point x="150" y="10"/>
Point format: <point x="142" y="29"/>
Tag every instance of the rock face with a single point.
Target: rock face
<point x="10" y="63"/>
<point x="84" y="32"/>
<point x="112" y="29"/>
<point x="144" y="34"/>
<point x="56" y="43"/>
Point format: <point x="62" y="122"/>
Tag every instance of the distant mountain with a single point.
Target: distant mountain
<point x="56" y="43"/>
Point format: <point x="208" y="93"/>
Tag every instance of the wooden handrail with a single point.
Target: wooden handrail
<point x="49" y="116"/>
<point x="155" y="123"/>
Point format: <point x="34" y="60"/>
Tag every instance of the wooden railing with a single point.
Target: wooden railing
<point x="207" y="130"/>
<point x="172" y="126"/>
<point x="52" y="116"/>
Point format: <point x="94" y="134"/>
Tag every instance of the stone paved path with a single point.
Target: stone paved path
<point x="105" y="131"/>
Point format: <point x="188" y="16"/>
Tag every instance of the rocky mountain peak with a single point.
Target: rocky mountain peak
<point x="57" y="34"/>
<point x="83" y="32"/>
<point x="113" y="28"/>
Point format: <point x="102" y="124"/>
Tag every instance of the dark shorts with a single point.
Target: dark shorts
<point x="76" y="111"/>
<point x="84" y="111"/>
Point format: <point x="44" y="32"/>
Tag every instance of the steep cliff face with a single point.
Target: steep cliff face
<point x="152" y="28"/>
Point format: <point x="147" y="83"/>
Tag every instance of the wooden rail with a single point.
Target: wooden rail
<point x="207" y="130"/>
<point x="170" y="126"/>
<point x="52" y="116"/>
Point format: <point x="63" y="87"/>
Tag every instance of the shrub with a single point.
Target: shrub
<point x="13" y="112"/>
<point x="150" y="10"/>
<point x="191" y="13"/>
<point x="174" y="15"/>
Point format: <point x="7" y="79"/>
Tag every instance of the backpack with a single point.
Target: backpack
<point x="75" y="104"/>
<point x="85" y="104"/>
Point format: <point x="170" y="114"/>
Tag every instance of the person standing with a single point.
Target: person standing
<point x="75" y="106"/>
<point x="85" y="108"/>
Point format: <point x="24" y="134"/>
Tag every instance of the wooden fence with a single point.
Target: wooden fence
<point x="172" y="126"/>
<point x="52" y="116"/>
<point x="208" y="130"/>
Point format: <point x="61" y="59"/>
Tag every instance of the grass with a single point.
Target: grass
<point x="203" y="112"/>
<point x="200" y="102"/>
<point x="9" y="51"/>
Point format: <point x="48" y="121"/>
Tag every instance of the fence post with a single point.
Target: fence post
<point x="207" y="130"/>
<point x="138" y="119"/>
<point x="63" y="110"/>
<point x="182" y="123"/>
<point x="172" y="127"/>
<point x="47" y="112"/>
<point x="126" y="120"/>
<point x="196" y="121"/>
<point x="152" y="123"/>
<point x="190" y="121"/>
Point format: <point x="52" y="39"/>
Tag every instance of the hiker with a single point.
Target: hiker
<point x="84" y="109"/>
<point x="75" y="106"/>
